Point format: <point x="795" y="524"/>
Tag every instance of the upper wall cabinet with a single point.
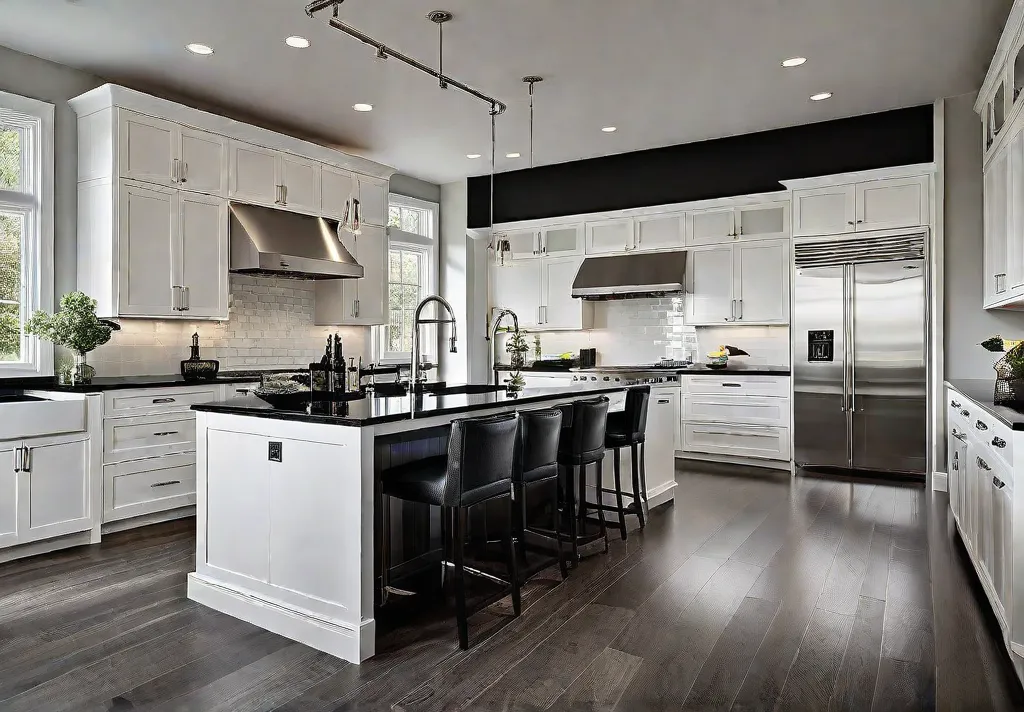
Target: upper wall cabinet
<point x="884" y="204"/>
<point x="722" y="225"/>
<point x="610" y="236"/>
<point x="267" y="177"/>
<point x="162" y="152"/>
<point x="338" y="187"/>
<point x="660" y="232"/>
<point x="357" y="302"/>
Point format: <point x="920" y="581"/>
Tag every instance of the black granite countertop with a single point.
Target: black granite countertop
<point x="113" y="383"/>
<point x="981" y="391"/>
<point x="698" y="369"/>
<point x="371" y="410"/>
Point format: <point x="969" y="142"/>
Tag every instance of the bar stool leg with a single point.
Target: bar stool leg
<point x="558" y="531"/>
<point x="618" y="492"/>
<point x="385" y="544"/>
<point x="600" y="508"/>
<point x="519" y="521"/>
<point x="638" y="497"/>
<point x="445" y="526"/>
<point x="570" y="505"/>
<point x="643" y="473"/>
<point x="460" y="583"/>
<point x="513" y="561"/>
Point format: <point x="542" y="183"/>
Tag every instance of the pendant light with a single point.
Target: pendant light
<point x="531" y="80"/>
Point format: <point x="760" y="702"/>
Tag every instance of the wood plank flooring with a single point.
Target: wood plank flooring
<point x="753" y="592"/>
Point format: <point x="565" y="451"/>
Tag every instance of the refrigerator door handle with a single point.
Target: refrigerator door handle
<point x="853" y="344"/>
<point x="846" y="370"/>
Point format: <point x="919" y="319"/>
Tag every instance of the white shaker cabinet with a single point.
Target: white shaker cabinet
<point x="562" y="241"/>
<point x="521" y="244"/>
<point x="202" y="249"/>
<point x="358" y="302"/>
<point x="761" y="281"/>
<point x="882" y="204"/>
<point x="997" y="210"/>
<point x="559" y="309"/>
<point x="712" y="226"/>
<point x="204" y="162"/>
<point x="162" y="152"/>
<point x="8" y="494"/>
<point x="254" y="177"/>
<point x="519" y="287"/>
<point x="709" y="297"/>
<point x="539" y="292"/>
<point x="336" y="187"/>
<point x="763" y="221"/>
<point x="299" y="179"/>
<point x="610" y="236"/>
<point x="830" y="210"/>
<point x="373" y="201"/>
<point x="660" y="232"/>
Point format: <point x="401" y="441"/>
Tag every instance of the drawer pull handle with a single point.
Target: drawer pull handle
<point x="959" y="436"/>
<point x="664" y="402"/>
<point x="954" y="404"/>
<point x="165" y="434"/>
<point x="980" y="426"/>
<point x="723" y="432"/>
<point x="166" y="484"/>
<point x="732" y="385"/>
<point x="983" y="465"/>
<point x="998" y="441"/>
<point x="163" y="400"/>
<point x="965" y="413"/>
<point x="998" y="483"/>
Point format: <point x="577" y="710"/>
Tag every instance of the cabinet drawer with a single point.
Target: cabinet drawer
<point x="157" y="400"/>
<point x="993" y="436"/>
<point x="147" y="486"/>
<point x="737" y="385"/>
<point x="737" y="440"/>
<point x="148" y="436"/>
<point x="752" y="410"/>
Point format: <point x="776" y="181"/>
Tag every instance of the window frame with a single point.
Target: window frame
<point x="428" y="246"/>
<point x="34" y="200"/>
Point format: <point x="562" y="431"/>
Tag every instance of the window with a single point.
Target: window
<point x="26" y="231"/>
<point x="412" y="275"/>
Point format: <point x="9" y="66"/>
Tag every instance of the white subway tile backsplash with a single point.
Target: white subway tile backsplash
<point x="270" y="325"/>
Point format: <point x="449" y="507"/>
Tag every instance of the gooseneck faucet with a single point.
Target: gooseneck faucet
<point x="494" y="331"/>
<point x="418" y="320"/>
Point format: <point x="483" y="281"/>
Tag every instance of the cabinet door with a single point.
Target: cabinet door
<point x="8" y="495"/>
<point x="714" y="226"/>
<point x="953" y="472"/>
<point x="522" y="244"/>
<point x="560" y="309"/>
<point x="300" y="184"/>
<point x="824" y="211"/>
<point x="1004" y="545"/>
<point x="663" y="427"/>
<point x="608" y="236"/>
<point x="710" y="286"/>
<point x="520" y="288"/>
<point x="146" y="148"/>
<point x="892" y="203"/>
<point x="147" y="236"/>
<point x="763" y="222"/>
<point x="57" y="500"/>
<point x="371" y="249"/>
<point x="996" y="204"/>
<point x="204" y="162"/>
<point x="657" y="232"/>
<point x="562" y="241"/>
<point x="373" y="201"/>
<point x="761" y="281"/>
<point x="336" y="187"/>
<point x="1015" y="225"/>
<point x="253" y="174"/>
<point x="203" y="255"/>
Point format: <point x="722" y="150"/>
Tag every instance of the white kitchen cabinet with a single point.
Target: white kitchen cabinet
<point x="519" y="287"/>
<point x="562" y="241"/>
<point x="559" y="309"/>
<point x="337" y="187"/>
<point x="8" y="494"/>
<point x="56" y="473"/>
<point x="610" y="236"/>
<point x="522" y="245"/>
<point x="830" y="210"/>
<point x="373" y="201"/>
<point x="147" y="231"/>
<point x="299" y="179"/>
<point x="172" y="254"/>
<point x="751" y="441"/>
<point x="539" y="292"/>
<point x="660" y="232"/>
<point x="162" y="152"/>
<point x="254" y="175"/>
<point x="763" y="221"/>
<point x="747" y="282"/>
<point x="997" y="208"/>
<point x="1015" y="219"/>
<point x="147" y="486"/>
<point x="360" y="302"/>
<point x="712" y="226"/>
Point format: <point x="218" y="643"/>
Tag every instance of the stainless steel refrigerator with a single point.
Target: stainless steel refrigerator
<point x="859" y="353"/>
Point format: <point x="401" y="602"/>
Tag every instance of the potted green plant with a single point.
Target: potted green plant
<point x="75" y="327"/>
<point x="517" y="348"/>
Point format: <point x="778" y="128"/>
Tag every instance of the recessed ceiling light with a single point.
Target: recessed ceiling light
<point x="363" y="107"/>
<point x="610" y="129"/>
<point x="472" y="155"/>
<point x="793" y="61"/>
<point x="296" y="41"/>
<point x="201" y="49"/>
<point x="821" y="96"/>
<point x="512" y="155"/>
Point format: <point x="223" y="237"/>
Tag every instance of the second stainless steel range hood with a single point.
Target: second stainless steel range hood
<point x="636" y="275"/>
<point x="277" y="242"/>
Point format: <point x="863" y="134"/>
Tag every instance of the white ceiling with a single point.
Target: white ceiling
<point x="662" y="71"/>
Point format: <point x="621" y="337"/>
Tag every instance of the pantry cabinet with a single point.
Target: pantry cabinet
<point x="743" y="283"/>
<point x="357" y="302"/>
<point x="883" y="204"/>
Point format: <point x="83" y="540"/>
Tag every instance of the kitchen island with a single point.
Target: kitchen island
<point x="287" y="522"/>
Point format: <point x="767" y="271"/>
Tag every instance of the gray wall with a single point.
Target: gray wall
<point x="966" y="323"/>
<point x="55" y="83"/>
<point x="415" y="188"/>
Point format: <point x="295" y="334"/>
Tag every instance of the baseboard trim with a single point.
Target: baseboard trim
<point x="729" y="460"/>
<point x="342" y="640"/>
<point x="46" y="546"/>
<point x="940" y="482"/>
<point x="145" y="520"/>
<point x="661" y="494"/>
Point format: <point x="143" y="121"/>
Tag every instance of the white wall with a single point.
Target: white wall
<point x="966" y="323"/>
<point x="455" y="260"/>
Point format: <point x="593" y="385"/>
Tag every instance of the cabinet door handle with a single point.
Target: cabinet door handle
<point x="998" y="441"/>
<point x="954" y="404"/>
<point x="175" y="298"/>
<point x="983" y="465"/>
<point x="740" y="302"/>
<point x="355" y="306"/>
<point x="859" y="222"/>
<point x="162" y="400"/>
<point x="188" y="299"/>
<point x="17" y="459"/>
<point x="168" y="483"/>
<point x="184" y="173"/>
<point x="26" y="459"/>
<point x="284" y="195"/>
<point x="850" y="222"/>
<point x="980" y="425"/>
<point x="166" y="433"/>
<point x="998" y="483"/>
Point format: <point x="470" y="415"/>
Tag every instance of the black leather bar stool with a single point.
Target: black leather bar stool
<point x="628" y="428"/>
<point x="582" y="444"/>
<point x="478" y="468"/>
<point x="539" y="432"/>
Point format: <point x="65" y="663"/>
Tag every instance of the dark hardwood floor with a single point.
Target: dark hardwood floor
<point x="752" y="592"/>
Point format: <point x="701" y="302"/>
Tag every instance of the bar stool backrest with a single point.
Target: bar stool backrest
<point x="481" y="458"/>
<point x="637" y="400"/>
<point x="538" y="454"/>
<point x="587" y="430"/>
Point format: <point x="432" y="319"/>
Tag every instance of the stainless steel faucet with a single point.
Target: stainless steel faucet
<point x="414" y="373"/>
<point x="494" y="331"/>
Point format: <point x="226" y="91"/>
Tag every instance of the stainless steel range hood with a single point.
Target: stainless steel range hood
<point x="277" y="242"/>
<point x="630" y="276"/>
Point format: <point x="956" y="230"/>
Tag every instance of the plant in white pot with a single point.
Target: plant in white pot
<point x="77" y="328"/>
